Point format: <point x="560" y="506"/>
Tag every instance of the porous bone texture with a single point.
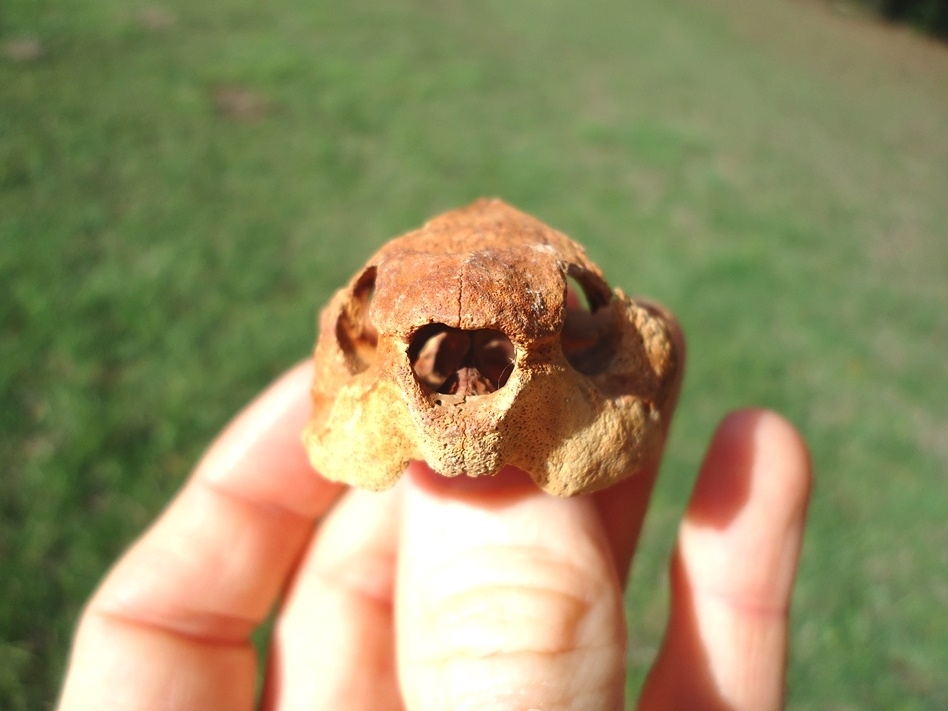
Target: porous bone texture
<point x="462" y="344"/>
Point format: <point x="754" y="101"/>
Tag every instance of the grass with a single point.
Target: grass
<point x="182" y="187"/>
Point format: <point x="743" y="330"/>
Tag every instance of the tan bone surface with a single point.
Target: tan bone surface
<point x="457" y="345"/>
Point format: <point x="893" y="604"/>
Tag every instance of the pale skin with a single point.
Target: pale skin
<point x="441" y="594"/>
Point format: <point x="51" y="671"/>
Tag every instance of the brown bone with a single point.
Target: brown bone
<point x="456" y="345"/>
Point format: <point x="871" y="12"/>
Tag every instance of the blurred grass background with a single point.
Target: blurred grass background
<point x="183" y="185"/>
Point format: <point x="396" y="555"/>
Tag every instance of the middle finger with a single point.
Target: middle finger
<point x="507" y="599"/>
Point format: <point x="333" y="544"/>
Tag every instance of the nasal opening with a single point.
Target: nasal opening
<point x="454" y="361"/>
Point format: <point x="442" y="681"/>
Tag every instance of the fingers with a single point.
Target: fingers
<point x="733" y="572"/>
<point x="624" y="505"/>
<point x="622" y="510"/>
<point x="260" y="456"/>
<point x="333" y="646"/>
<point x="169" y="626"/>
<point x="507" y="599"/>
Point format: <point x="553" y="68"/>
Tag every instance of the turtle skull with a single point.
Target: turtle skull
<point x="461" y="344"/>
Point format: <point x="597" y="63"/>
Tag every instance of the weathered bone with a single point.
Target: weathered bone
<point x="455" y="345"/>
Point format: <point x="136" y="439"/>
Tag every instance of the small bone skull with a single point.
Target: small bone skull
<point x="462" y="344"/>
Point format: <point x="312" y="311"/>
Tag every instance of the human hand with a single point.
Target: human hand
<point x="441" y="594"/>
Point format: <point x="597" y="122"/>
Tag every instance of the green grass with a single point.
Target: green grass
<point x="773" y="173"/>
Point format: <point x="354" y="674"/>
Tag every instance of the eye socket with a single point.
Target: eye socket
<point x="588" y="336"/>
<point x="588" y="286"/>
<point x="356" y="335"/>
<point x="454" y="361"/>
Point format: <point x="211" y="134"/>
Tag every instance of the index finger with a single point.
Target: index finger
<point x="169" y="627"/>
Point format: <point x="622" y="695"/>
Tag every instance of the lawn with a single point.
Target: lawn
<point x="181" y="187"/>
